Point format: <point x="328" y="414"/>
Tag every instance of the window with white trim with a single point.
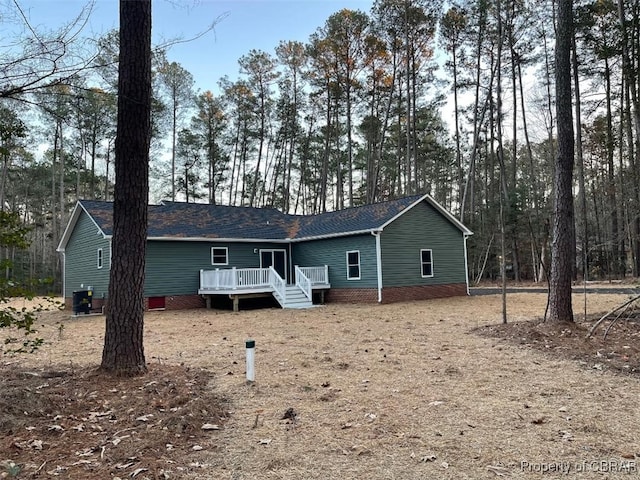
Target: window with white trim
<point x="353" y="265"/>
<point x="100" y="258"/>
<point x="219" y="256"/>
<point x="426" y="262"/>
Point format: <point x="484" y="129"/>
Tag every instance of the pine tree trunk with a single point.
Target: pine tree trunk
<point x="582" y="195"/>
<point x="476" y="122"/>
<point x="563" y="247"/>
<point x="123" y="352"/>
<point x="631" y="87"/>
<point x="616" y="265"/>
<point x="325" y="158"/>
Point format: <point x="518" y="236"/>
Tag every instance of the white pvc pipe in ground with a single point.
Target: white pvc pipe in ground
<point x="251" y="356"/>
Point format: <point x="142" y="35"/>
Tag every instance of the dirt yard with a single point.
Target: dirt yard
<point x="426" y="390"/>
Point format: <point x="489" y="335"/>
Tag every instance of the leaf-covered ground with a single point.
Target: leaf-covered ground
<point x="434" y="389"/>
<point x="616" y="349"/>
<point x="79" y="423"/>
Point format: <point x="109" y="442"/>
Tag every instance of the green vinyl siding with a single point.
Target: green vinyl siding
<point x="81" y="259"/>
<point x="173" y="267"/>
<point x="333" y="252"/>
<point x="422" y="228"/>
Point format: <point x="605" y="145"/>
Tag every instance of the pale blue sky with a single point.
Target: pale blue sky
<point x="247" y="24"/>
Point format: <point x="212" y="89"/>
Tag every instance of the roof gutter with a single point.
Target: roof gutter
<point x="269" y="240"/>
<point x="215" y="239"/>
<point x="64" y="272"/>
<point x="332" y="235"/>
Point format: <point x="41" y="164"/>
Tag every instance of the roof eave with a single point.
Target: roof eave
<point x="217" y="239"/>
<point x="334" y="235"/>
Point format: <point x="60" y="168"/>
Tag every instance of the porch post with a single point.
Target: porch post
<point x="236" y="302"/>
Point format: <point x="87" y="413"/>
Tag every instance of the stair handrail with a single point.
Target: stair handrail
<point x="279" y="286"/>
<point x="303" y="283"/>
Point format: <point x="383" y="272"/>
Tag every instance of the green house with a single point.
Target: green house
<point x="406" y="249"/>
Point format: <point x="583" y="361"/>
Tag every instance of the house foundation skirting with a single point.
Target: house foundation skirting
<point x="395" y="294"/>
<point x="171" y="302"/>
<point x="184" y="302"/>
<point x="352" y="295"/>
<point x="423" y="292"/>
<point x="333" y="295"/>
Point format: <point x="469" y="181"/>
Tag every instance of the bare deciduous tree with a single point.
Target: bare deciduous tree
<point x="32" y="60"/>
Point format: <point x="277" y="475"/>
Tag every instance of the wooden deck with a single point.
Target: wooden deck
<point x="237" y="283"/>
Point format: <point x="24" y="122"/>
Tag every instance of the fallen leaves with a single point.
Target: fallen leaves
<point x="138" y="471"/>
<point x="498" y="470"/>
<point x="85" y="423"/>
<point x="210" y="426"/>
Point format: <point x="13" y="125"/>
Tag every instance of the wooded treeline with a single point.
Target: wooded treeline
<point x="415" y="96"/>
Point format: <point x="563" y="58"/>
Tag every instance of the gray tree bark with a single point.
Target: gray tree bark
<point x="563" y="245"/>
<point x="123" y="352"/>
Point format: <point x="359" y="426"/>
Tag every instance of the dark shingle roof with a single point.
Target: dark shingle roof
<point x="355" y="219"/>
<point x="197" y="220"/>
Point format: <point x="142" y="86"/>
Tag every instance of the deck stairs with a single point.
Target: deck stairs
<point x="294" y="298"/>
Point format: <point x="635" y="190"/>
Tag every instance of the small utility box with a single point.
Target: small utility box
<point x="82" y="302"/>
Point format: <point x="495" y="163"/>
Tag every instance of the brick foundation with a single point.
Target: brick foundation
<point x="422" y="292"/>
<point x="97" y="304"/>
<point x="334" y="295"/>
<point x="175" y="302"/>
<point x="395" y="294"/>
<point x="352" y="295"/>
<point x="184" y="302"/>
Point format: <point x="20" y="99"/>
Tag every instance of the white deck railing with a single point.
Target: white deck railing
<point x="303" y="283"/>
<point x="262" y="278"/>
<point x="316" y="275"/>
<point x="279" y="286"/>
<point x="234" y="278"/>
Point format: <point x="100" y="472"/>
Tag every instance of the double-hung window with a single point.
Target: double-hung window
<point x="100" y="259"/>
<point x="219" y="256"/>
<point x="353" y="265"/>
<point x="426" y="262"/>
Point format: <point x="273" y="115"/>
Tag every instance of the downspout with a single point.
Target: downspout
<point x="378" y="262"/>
<point x="466" y="261"/>
<point x="64" y="274"/>
<point x="292" y="280"/>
